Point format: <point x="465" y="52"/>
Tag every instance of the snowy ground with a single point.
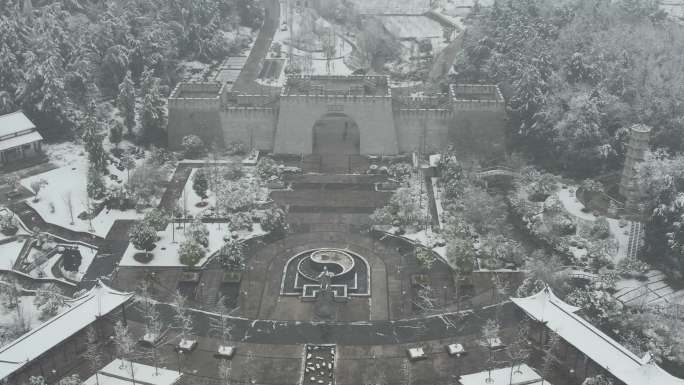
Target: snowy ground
<point x="318" y="64"/>
<point x="522" y="374"/>
<point x="8" y="317"/>
<point x="166" y="252"/>
<point x="415" y="7"/>
<point x="22" y="231"/>
<point x="70" y="180"/>
<point x="419" y="27"/>
<point x="428" y="239"/>
<point x="189" y="199"/>
<point x="119" y="372"/>
<point x="574" y="207"/>
<point x="653" y="291"/>
<point x="9" y="252"/>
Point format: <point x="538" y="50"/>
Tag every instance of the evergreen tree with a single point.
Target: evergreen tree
<point x="143" y="236"/>
<point x="200" y="184"/>
<point x="191" y="252"/>
<point x="153" y="116"/>
<point x="95" y="183"/>
<point x="232" y="255"/>
<point x="92" y="141"/>
<point x="126" y="102"/>
<point x="116" y="134"/>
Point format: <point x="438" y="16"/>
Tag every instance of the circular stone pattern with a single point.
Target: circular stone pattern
<point x="335" y="261"/>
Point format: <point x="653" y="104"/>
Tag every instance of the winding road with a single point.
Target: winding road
<point x="246" y="82"/>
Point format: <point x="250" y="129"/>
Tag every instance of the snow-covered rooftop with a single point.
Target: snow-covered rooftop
<point x="14" y="122"/>
<point x="520" y="375"/>
<point x="118" y="372"/>
<point x="560" y="317"/>
<point x="82" y="311"/>
<point x="16" y="141"/>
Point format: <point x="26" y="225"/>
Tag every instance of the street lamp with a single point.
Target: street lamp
<point x="179" y="353"/>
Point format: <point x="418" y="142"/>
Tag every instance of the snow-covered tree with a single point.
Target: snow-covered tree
<point x="92" y="354"/>
<point x="267" y="168"/>
<point x="157" y="218"/>
<point x="113" y="69"/>
<point x="200" y="184"/>
<point x="490" y="334"/>
<point x="193" y="146"/>
<point x="182" y="317"/>
<point x="129" y="164"/>
<point x="36" y="380"/>
<point x="191" y="252"/>
<point x="143" y="236"/>
<point x="274" y="220"/>
<point x="426" y="257"/>
<point x="95" y="185"/>
<point x="198" y="232"/>
<point x="234" y="196"/>
<point x="49" y="303"/>
<point x="115" y="134"/>
<point x="126" y="102"/>
<point x="36" y="186"/>
<point x="92" y="141"/>
<point x="599" y="306"/>
<point x="221" y="327"/>
<point x="225" y="369"/>
<point x="73" y="379"/>
<point x="519" y="349"/>
<point x="153" y="324"/>
<point x="598" y="379"/>
<point x="232" y="255"/>
<point x="153" y="113"/>
<point x="125" y="347"/>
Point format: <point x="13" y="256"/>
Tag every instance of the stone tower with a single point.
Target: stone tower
<point x="27" y="9"/>
<point x="639" y="136"/>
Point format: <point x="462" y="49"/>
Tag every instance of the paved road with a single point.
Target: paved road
<point x="246" y="82"/>
<point x="362" y="333"/>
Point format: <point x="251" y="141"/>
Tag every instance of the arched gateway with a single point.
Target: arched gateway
<point x="389" y="120"/>
<point x="336" y="134"/>
<point x="312" y="105"/>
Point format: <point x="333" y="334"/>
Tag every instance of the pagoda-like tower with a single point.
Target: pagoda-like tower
<point x="639" y="136"/>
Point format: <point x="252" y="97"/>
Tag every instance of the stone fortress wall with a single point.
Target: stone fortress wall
<point x="470" y="117"/>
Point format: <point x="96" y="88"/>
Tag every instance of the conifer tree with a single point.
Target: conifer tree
<point x="92" y="141"/>
<point x="153" y="116"/>
<point x="126" y="102"/>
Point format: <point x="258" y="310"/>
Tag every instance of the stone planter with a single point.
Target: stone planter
<point x="187" y="345"/>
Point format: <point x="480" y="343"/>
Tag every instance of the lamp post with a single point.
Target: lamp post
<point x="179" y="353"/>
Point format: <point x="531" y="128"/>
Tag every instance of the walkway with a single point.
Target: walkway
<point x="32" y="219"/>
<point x="635" y="231"/>
<point x="363" y="333"/>
<point x="246" y="82"/>
<point x="655" y="290"/>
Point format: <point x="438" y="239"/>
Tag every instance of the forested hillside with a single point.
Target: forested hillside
<point x="576" y="73"/>
<point x="57" y="56"/>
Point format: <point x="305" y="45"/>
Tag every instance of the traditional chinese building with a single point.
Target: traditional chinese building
<point x="583" y="350"/>
<point x="52" y="349"/>
<point x="19" y="139"/>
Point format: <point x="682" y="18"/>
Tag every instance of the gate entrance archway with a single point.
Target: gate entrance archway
<point x="336" y="138"/>
<point x="336" y="134"/>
